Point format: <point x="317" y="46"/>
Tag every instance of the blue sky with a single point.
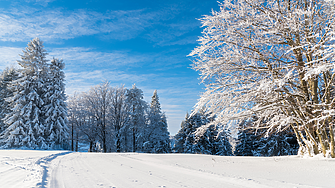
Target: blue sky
<point x="125" y="42"/>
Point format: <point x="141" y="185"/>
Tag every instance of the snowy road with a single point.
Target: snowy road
<point x="125" y="170"/>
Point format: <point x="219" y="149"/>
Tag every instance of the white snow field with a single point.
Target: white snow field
<point x="27" y="168"/>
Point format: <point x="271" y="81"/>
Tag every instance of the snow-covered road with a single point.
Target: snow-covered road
<point x="67" y="169"/>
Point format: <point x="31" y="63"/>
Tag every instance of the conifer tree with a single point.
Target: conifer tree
<point x="6" y="78"/>
<point x="55" y="110"/>
<point x="24" y="125"/>
<point x="158" y="138"/>
<point x="181" y="135"/>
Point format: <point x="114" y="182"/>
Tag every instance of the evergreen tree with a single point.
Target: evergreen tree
<point x="254" y="143"/>
<point x="158" y="137"/>
<point x="223" y="145"/>
<point x="279" y="144"/>
<point x="6" y="78"/>
<point x="24" y="125"/>
<point x="194" y="122"/>
<point x="55" y="110"/>
<point x="247" y="143"/>
<point x="180" y="137"/>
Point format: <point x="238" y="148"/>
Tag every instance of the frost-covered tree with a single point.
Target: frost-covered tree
<point x="6" y="78"/>
<point x="213" y="139"/>
<point x="54" y="109"/>
<point x="283" y="143"/>
<point x="98" y="98"/>
<point x="158" y="139"/>
<point x="181" y="135"/>
<point x="273" y="59"/>
<point x="247" y="141"/>
<point x="254" y="143"/>
<point x="137" y="123"/>
<point x="120" y="119"/>
<point x="25" y="126"/>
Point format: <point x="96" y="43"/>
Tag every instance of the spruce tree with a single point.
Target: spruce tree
<point x="24" y="124"/>
<point x="247" y="141"/>
<point x="54" y="109"/>
<point x="180" y="137"/>
<point x="6" y="78"/>
<point x="158" y="138"/>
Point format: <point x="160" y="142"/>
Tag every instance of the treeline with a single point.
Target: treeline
<point x="253" y="142"/>
<point x="36" y="114"/>
<point x="199" y="135"/>
<point x="116" y="119"/>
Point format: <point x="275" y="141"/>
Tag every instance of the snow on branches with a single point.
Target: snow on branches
<point x="272" y="59"/>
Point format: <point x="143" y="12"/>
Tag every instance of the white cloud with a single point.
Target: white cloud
<point x="55" y="25"/>
<point x="9" y="55"/>
<point x="90" y="58"/>
<point x="83" y="80"/>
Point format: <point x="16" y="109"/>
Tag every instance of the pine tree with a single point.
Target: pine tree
<point x="24" y="125"/>
<point x="158" y="137"/>
<point x="55" y="110"/>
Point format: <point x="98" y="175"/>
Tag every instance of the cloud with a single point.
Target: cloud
<point x="89" y="58"/>
<point x="56" y="25"/>
<point x="174" y="34"/>
<point x="41" y="2"/>
<point x="9" y="55"/>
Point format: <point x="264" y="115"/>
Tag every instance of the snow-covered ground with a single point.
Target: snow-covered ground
<point x="26" y="168"/>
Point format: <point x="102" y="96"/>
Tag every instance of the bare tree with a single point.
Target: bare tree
<point x="98" y="98"/>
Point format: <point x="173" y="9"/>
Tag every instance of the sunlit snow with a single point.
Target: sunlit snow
<point x="26" y="168"/>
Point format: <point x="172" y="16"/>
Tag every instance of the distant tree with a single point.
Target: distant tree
<point x="137" y="123"/>
<point x="99" y="100"/>
<point x="254" y="143"/>
<point x="158" y="139"/>
<point x="120" y="118"/>
<point x="247" y="141"/>
<point x="181" y="135"/>
<point x="193" y="137"/>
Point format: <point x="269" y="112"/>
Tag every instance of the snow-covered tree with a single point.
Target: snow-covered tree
<point x="213" y="139"/>
<point x="98" y="98"/>
<point x="25" y="126"/>
<point x="253" y="143"/>
<point x="120" y="118"/>
<point x="248" y="141"/>
<point x="6" y="78"/>
<point x="277" y="145"/>
<point x="54" y="109"/>
<point x="158" y="139"/>
<point x="273" y="59"/>
<point x="181" y="135"/>
<point x="137" y="123"/>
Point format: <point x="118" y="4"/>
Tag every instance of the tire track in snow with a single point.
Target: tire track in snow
<point x="44" y="163"/>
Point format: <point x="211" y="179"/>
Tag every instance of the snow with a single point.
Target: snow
<point x="27" y="168"/>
